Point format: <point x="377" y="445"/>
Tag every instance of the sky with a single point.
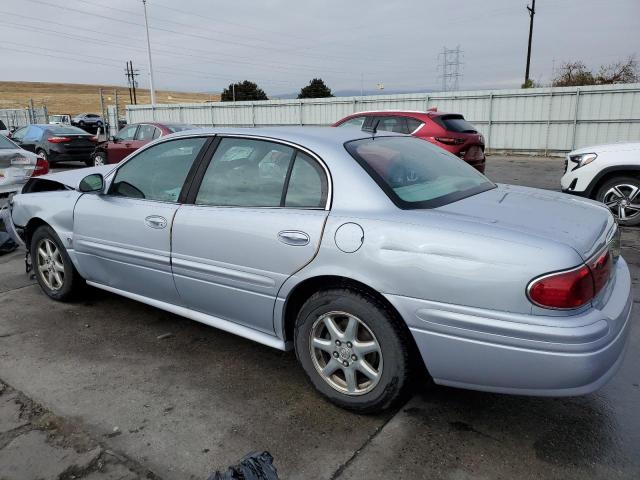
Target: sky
<point x="204" y="45"/>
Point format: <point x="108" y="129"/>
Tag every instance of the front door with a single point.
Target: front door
<point x="123" y="144"/>
<point x="123" y="239"/>
<point x="257" y="218"/>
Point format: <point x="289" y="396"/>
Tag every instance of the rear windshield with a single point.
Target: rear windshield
<point x="6" y="143"/>
<point x="65" y="130"/>
<point x="415" y="173"/>
<point x="180" y="127"/>
<point x="455" y="123"/>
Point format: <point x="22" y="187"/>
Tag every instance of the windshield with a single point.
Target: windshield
<point x="416" y="174"/>
<point x="6" y="143"/>
<point x="455" y="123"/>
<point x="64" y="130"/>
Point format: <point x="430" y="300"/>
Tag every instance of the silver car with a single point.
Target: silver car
<point x="365" y="252"/>
<point x="17" y="166"/>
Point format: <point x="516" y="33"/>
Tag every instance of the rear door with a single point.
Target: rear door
<point x="258" y="215"/>
<point x="122" y="239"/>
<point x="122" y="145"/>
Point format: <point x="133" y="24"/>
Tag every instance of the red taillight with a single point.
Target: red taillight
<point x="58" y="139"/>
<point x="42" y="167"/>
<point x="572" y="288"/>
<point x="450" y="140"/>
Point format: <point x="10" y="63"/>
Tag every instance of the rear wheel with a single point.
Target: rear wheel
<point x="622" y="196"/>
<point x="354" y="350"/>
<point x="41" y="153"/>
<point x="54" y="271"/>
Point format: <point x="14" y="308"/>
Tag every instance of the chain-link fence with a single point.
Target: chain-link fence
<point x="14" y="118"/>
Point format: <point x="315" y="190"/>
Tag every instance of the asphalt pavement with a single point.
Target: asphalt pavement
<point x="154" y="395"/>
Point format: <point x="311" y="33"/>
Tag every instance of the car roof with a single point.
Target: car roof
<point x="309" y="137"/>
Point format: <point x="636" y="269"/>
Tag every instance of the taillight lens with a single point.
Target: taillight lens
<point x="42" y="167"/>
<point x="450" y="140"/>
<point x="571" y="288"/>
<point x="58" y="139"/>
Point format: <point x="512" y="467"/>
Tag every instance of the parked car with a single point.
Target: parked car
<point x="131" y="138"/>
<point x="4" y="130"/>
<point x="56" y="143"/>
<point x="609" y="174"/>
<point x="17" y="166"/>
<point x="91" y="120"/>
<point x="59" y="120"/>
<point x="357" y="250"/>
<point x="449" y="131"/>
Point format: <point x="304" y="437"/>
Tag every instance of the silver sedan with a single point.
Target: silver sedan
<point x="367" y="253"/>
<point x="17" y="166"/>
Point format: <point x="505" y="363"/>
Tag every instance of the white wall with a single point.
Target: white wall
<point x="541" y="120"/>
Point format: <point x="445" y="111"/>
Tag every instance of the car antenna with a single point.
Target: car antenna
<point x="373" y="128"/>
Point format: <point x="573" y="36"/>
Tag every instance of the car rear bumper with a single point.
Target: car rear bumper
<point x="522" y="354"/>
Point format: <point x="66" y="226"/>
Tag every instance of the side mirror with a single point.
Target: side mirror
<point x="93" y="183"/>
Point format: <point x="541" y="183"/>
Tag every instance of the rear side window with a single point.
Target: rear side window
<point x="159" y="172"/>
<point x="455" y="123"/>
<point x="127" y="133"/>
<point x="413" y="124"/>
<point x="307" y="186"/>
<point x="2" y="125"/>
<point x="6" y="143"/>
<point x="246" y="173"/>
<point x="393" y="124"/>
<point x="145" y="133"/>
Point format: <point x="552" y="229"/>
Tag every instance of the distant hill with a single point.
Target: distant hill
<point x="74" y="98"/>
<point x="356" y="93"/>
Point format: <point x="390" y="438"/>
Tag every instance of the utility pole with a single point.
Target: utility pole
<point x="128" y="73"/>
<point x="146" y="24"/>
<point x="233" y="89"/>
<point x="131" y="81"/>
<point x="532" y="12"/>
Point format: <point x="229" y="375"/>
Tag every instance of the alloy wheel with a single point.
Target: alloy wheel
<point x="50" y="264"/>
<point x="98" y="160"/>
<point x="622" y="201"/>
<point x="346" y="353"/>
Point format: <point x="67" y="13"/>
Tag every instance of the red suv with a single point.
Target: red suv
<point x="446" y="130"/>
<point x="131" y="138"/>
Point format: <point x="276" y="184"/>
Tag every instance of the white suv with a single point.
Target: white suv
<point x="609" y="174"/>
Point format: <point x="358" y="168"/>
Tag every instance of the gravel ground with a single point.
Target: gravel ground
<point x="97" y="390"/>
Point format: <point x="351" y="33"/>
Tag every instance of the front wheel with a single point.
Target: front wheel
<point x="99" y="159"/>
<point x="622" y="196"/>
<point x="54" y="271"/>
<point x="354" y="350"/>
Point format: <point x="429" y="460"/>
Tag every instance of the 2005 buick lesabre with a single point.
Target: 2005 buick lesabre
<point x="365" y="252"/>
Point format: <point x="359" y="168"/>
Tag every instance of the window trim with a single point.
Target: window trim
<point x="186" y="186"/>
<point x="204" y="165"/>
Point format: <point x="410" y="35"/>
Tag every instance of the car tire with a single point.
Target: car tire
<point x="52" y="266"/>
<point x="621" y="194"/>
<point x="377" y="327"/>
<point x="97" y="159"/>
<point x="81" y="123"/>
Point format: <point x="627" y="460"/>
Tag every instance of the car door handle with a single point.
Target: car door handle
<point x="155" y="221"/>
<point x="293" y="237"/>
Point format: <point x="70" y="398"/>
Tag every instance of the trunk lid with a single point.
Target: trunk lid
<point x="582" y="224"/>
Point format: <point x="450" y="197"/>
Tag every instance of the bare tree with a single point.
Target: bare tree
<point x="576" y="74"/>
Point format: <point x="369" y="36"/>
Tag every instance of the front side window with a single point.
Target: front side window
<point x="159" y="172"/>
<point x="18" y="135"/>
<point x="356" y="122"/>
<point x="415" y="173"/>
<point x="127" y="133"/>
<point x="246" y="173"/>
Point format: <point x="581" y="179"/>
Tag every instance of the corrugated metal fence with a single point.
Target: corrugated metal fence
<point x="19" y="117"/>
<point x="540" y="120"/>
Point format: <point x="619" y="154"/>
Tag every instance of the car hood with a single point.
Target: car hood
<point x="72" y="178"/>
<point x="610" y="147"/>
<point x="579" y="223"/>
